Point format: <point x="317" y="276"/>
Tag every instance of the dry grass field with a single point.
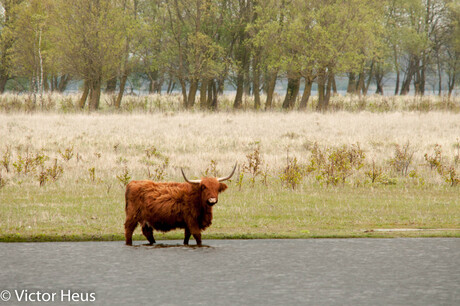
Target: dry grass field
<point x="63" y="174"/>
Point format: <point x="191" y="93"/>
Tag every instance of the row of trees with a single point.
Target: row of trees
<point x="202" y="45"/>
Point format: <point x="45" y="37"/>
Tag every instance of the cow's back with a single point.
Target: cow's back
<point x="145" y="198"/>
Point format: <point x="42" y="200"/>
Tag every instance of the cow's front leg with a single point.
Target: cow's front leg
<point x="187" y="236"/>
<point x="197" y="237"/>
<point x="148" y="233"/>
<point x="194" y="229"/>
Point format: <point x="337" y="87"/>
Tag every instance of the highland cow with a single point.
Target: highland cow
<point x="171" y="205"/>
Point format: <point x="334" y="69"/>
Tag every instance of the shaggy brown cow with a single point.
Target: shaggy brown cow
<point x="167" y="206"/>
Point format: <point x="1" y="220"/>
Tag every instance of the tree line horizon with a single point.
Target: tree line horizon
<point x="201" y="45"/>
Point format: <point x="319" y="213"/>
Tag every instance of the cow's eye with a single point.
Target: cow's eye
<point x="203" y="187"/>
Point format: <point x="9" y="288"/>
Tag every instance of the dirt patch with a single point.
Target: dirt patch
<point x="386" y="230"/>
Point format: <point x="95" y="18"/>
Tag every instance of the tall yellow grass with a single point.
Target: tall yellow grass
<point x="191" y="140"/>
<point x="79" y="206"/>
<point x="66" y="103"/>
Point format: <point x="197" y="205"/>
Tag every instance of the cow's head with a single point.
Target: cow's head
<point x="210" y="187"/>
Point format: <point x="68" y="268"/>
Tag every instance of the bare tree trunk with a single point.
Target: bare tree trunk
<point x="256" y="81"/>
<point x="334" y="86"/>
<point x="3" y="79"/>
<point x="46" y="85"/>
<point x="351" y="88"/>
<point x="63" y="82"/>
<point x="422" y="80"/>
<point x="220" y="85"/>
<point x="33" y="89"/>
<point x="321" y="80"/>
<point x="158" y="84"/>
<point x="192" y="93"/>
<point x="125" y="65"/>
<point x="214" y="104"/>
<point x="123" y="80"/>
<point x="328" y="90"/>
<point x="242" y="55"/>
<point x="405" y="88"/>
<point x="451" y="85"/>
<point x="210" y="97"/>
<point x="291" y="93"/>
<point x="153" y="76"/>
<point x="6" y="44"/>
<point x="256" y="89"/>
<point x="95" y="94"/>
<point x="84" y="96"/>
<point x="4" y="75"/>
<point x="378" y="82"/>
<point x="53" y="82"/>
<point x="395" y="54"/>
<point x="270" y="89"/>
<point x="40" y="88"/>
<point x="184" y="92"/>
<point x="170" y="86"/>
<point x="397" y="82"/>
<point x="111" y="85"/>
<point x="417" y="78"/>
<point x="416" y="81"/>
<point x="203" y="93"/>
<point x="360" y="86"/>
<point x="369" y="79"/>
<point x="151" y="86"/>
<point x="306" y="94"/>
<point x="452" y="70"/>
<point x="238" y="103"/>
<point x="324" y="91"/>
<point x="247" y="79"/>
<point x="438" y="64"/>
<point x="378" y="75"/>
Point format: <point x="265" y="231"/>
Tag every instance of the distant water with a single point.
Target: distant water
<point x="281" y="85"/>
<point x="235" y="272"/>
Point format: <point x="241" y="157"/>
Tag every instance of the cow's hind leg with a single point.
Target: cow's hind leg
<point x="187" y="236"/>
<point x="130" y="226"/>
<point x="197" y="237"/>
<point x="147" y="230"/>
<point x="193" y="229"/>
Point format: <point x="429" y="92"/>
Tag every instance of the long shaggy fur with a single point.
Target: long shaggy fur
<point x="168" y="206"/>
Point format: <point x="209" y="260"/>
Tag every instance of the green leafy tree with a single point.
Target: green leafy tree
<point x="451" y="48"/>
<point x="8" y="10"/>
<point x="150" y="38"/>
<point x="343" y="38"/>
<point x="422" y="30"/>
<point x="130" y="53"/>
<point x="266" y="34"/>
<point x="192" y="50"/>
<point x="31" y="45"/>
<point x="89" y="40"/>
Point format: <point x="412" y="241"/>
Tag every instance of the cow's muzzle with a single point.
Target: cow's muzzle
<point x="212" y="201"/>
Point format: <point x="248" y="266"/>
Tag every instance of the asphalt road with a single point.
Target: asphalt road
<point x="233" y="272"/>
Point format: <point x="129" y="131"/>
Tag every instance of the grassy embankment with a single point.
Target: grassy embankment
<point x="86" y="202"/>
<point x="55" y="214"/>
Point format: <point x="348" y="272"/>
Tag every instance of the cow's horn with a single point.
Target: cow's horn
<point x="220" y="179"/>
<point x="187" y="180"/>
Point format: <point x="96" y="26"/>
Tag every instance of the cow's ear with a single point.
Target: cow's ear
<point x="222" y="187"/>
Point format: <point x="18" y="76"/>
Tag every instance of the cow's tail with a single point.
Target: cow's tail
<point x="126" y="197"/>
